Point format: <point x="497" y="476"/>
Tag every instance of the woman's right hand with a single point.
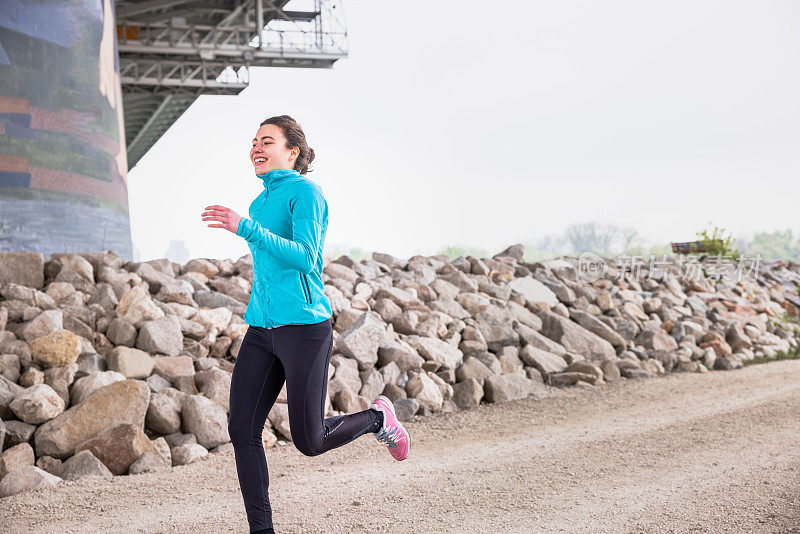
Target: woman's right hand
<point x="227" y="218"/>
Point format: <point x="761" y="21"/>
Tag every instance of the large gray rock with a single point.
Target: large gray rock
<point x="37" y="404"/>
<point x="362" y="339"/>
<point x="163" y="414"/>
<point x="372" y="383"/>
<point x="89" y="363"/>
<point x="406" y="408"/>
<point x="523" y="315"/>
<point x="17" y="432"/>
<point x="216" y="385"/>
<point x="161" y="336"/>
<point x="148" y="462"/>
<point x="436" y="350"/>
<point x="202" y="266"/>
<point x="136" y="307"/>
<point x="156" y="273"/>
<point x="737" y="339"/>
<point x="235" y="286"/>
<point x="468" y="393"/>
<point x="472" y="368"/>
<point x="8" y="390"/>
<point x="534" y="338"/>
<point x="23" y="268"/>
<point x="346" y="375"/>
<point x="497" y="327"/>
<point x="575" y="338"/>
<point x="401" y="354"/>
<point x="43" y="324"/>
<point x="76" y="270"/>
<point x="656" y="340"/>
<point x="26" y="478"/>
<point x="205" y="419"/>
<point x="404" y="299"/>
<point x="31" y="377"/>
<point x="279" y="417"/>
<point x="129" y="362"/>
<point x="121" y="332"/>
<point x="50" y="464"/>
<point x="425" y="391"/>
<point x="163" y="449"/>
<point x="179" y="291"/>
<point x="10" y="345"/>
<point x="215" y="299"/>
<point x="217" y="318"/>
<point x="625" y="327"/>
<point x="174" y="367"/>
<point x="610" y="371"/>
<point x="545" y="362"/>
<point x="502" y="388"/>
<point x="118" y="446"/>
<point x="534" y="291"/>
<point x="84" y="464"/>
<point x="2" y="434"/>
<point x="87" y="385"/>
<point x="16" y="457"/>
<point x="586" y="367"/>
<point x="187" y="453"/>
<point x="563" y="292"/>
<point x="348" y="402"/>
<point x="570" y="378"/>
<point x="121" y="402"/>
<point x="597" y="327"/>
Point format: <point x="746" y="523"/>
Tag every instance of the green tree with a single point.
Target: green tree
<point x="718" y="242"/>
<point x="778" y="245"/>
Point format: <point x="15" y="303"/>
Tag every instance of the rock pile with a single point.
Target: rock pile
<point x="110" y="367"/>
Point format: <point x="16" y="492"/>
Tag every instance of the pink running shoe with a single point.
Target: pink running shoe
<point x="392" y="432"/>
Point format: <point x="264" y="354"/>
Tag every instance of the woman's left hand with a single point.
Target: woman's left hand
<point x="227" y="218"/>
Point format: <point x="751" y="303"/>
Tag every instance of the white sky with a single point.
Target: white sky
<point x="471" y="123"/>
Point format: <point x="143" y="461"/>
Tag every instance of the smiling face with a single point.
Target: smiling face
<point x="269" y="150"/>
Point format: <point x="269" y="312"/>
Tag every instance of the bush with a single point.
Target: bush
<point x="717" y="243"/>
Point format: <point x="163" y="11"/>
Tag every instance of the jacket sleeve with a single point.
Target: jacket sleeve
<point x="308" y="209"/>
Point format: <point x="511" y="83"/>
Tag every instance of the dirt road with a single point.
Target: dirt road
<point x="716" y="452"/>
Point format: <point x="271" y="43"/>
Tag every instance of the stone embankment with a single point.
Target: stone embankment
<point x="110" y="367"/>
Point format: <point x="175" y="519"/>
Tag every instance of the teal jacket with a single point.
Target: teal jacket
<point x="286" y="234"/>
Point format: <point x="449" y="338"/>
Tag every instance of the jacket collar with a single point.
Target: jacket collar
<point x="273" y="178"/>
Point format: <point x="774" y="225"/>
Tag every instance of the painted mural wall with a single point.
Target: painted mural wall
<point x="63" y="168"/>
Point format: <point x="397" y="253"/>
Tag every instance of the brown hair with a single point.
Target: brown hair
<point x="294" y="138"/>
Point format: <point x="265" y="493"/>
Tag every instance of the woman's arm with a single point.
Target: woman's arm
<point x="307" y="208"/>
<point x="299" y="253"/>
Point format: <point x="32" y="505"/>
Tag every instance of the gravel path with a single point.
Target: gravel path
<point x="714" y="452"/>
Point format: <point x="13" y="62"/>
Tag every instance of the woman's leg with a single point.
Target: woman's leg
<point x="305" y="351"/>
<point x="257" y="379"/>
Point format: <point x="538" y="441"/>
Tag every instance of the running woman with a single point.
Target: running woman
<point x="290" y="334"/>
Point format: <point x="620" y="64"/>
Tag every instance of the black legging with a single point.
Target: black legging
<point x="298" y="354"/>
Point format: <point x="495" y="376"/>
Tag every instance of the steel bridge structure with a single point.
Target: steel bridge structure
<point x="172" y="51"/>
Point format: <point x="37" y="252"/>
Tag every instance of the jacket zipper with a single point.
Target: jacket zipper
<point x="306" y="290"/>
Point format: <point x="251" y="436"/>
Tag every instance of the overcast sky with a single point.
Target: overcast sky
<point x="458" y="122"/>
